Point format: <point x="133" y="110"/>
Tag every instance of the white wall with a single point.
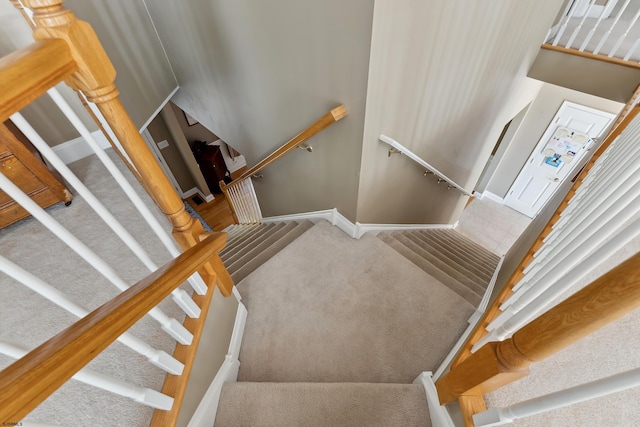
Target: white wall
<point x="444" y="78"/>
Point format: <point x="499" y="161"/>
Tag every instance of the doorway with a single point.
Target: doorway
<point x="573" y="132"/>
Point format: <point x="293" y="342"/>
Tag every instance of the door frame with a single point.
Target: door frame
<point x="548" y="133"/>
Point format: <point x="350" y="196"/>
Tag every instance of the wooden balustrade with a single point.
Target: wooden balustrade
<point x="31" y="379"/>
<point x="31" y="71"/>
<point x="93" y="74"/>
<point x="494" y="310"/>
<point x="496" y="364"/>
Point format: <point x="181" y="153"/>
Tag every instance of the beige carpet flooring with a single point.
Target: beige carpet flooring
<point x="27" y="318"/>
<point x="323" y="405"/>
<point x="328" y="308"/>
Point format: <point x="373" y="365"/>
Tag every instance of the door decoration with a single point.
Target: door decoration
<point x="563" y="146"/>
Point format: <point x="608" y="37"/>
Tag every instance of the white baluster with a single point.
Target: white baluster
<point x="592" y="31"/>
<point x="565" y="21"/>
<point x="143" y="395"/>
<point x="169" y="325"/>
<point x="615" y="22"/>
<point x="579" y="27"/>
<point x="632" y="50"/>
<point x="559" y="399"/>
<point x="157" y="357"/>
<point x="195" y="281"/>
<point x="178" y="295"/>
<point x="511" y="320"/>
<point x="622" y="38"/>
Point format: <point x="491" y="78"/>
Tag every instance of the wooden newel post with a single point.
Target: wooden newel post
<point x="95" y="78"/>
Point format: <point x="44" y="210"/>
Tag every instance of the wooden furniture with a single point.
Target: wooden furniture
<point x="22" y="164"/>
<point x="212" y="165"/>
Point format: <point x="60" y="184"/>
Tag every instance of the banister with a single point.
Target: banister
<point x="507" y="290"/>
<point x="602" y="302"/>
<point x="29" y="72"/>
<point x="323" y="122"/>
<point x="30" y="380"/>
<point x="395" y="145"/>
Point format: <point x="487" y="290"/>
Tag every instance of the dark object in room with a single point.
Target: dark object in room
<point x="211" y="162"/>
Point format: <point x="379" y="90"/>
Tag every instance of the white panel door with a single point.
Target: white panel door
<point x="565" y="142"/>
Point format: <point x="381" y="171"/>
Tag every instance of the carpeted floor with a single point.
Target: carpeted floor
<point x="328" y="308"/>
<point x="29" y="319"/>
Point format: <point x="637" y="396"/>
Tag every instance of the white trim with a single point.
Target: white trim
<point x="356" y="230"/>
<point x="205" y="413"/>
<point x="487" y="294"/>
<point x="494" y="197"/>
<point x="196" y="190"/>
<point x="155" y="113"/>
<point x="77" y="148"/>
<point x="344" y="224"/>
<point x="146" y="135"/>
<point x="472" y="322"/>
<point x="439" y="415"/>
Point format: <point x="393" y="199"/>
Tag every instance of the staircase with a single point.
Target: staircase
<point x="250" y="246"/>
<point x="457" y="262"/>
<point x="299" y="368"/>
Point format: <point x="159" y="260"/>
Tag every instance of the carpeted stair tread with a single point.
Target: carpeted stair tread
<point x="249" y="240"/>
<point x="322" y="405"/>
<point x="438" y="263"/>
<point x="267" y="249"/>
<point x="257" y="243"/>
<point x="236" y="231"/>
<point x="469" y="258"/>
<point x="246" y="231"/>
<point x="461" y="244"/>
<point x="479" y="249"/>
<point x="450" y="257"/>
<point x="329" y="308"/>
<point x="453" y="284"/>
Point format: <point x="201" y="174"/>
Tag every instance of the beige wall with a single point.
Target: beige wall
<point x="144" y="77"/>
<point x="171" y="154"/>
<point x="444" y="78"/>
<point x="195" y="132"/>
<point x="257" y="73"/>
<point x="599" y="78"/>
<point x="536" y="121"/>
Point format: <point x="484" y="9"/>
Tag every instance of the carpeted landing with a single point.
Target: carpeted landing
<point x="329" y="310"/>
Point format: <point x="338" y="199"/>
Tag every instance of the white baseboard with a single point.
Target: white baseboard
<point x="205" y="414"/>
<point x="439" y="415"/>
<point x="196" y="190"/>
<point x="494" y="197"/>
<point x="77" y="148"/>
<point x="356" y="230"/>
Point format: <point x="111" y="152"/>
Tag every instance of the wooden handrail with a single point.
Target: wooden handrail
<point x="29" y="72"/>
<point x="95" y="77"/>
<point x="494" y="310"/>
<point x="496" y="364"/>
<point x="31" y="379"/>
<point x="583" y="54"/>
<point x="326" y="120"/>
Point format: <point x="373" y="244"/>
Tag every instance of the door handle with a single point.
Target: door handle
<point x="556" y="179"/>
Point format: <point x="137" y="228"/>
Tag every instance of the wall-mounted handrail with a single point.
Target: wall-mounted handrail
<point x="323" y="122"/>
<point x="430" y="169"/>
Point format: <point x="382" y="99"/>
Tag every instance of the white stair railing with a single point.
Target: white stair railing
<point x="143" y="395"/>
<point x="616" y="36"/>
<point x="243" y="198"/>
<point x="396" y="147"/>
<point x="602" y="217"/>
<point x="559" y="399"/>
